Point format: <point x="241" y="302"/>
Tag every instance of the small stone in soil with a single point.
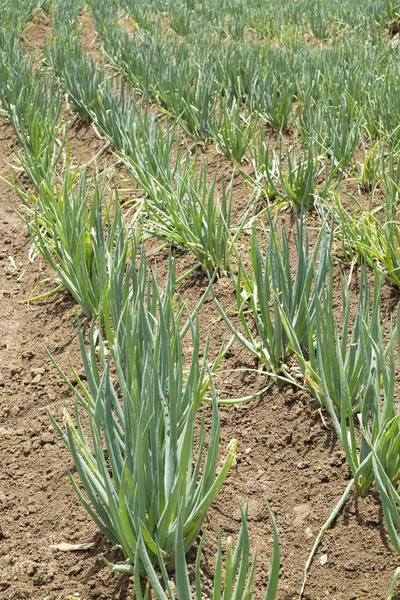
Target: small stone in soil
<point x="38" y="371"/>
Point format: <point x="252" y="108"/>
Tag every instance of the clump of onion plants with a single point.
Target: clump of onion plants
<point x="374" y="236"/>
<point x="190" y="216"/>
<point x="144" y="467"/>
<point x="352" y="374"/>
<point x="80" y="233"/>
<point x="303" y="183"/>
<point x="232" y="582"/>
<point x="267" y="293"/>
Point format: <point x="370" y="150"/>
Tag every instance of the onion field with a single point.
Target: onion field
<point x="199" y="299"/>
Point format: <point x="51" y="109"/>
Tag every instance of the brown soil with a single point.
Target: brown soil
<point x="35" y="34"/>
<point x="394" y="27"/>
<point x="89" y="37"/>
<point x="286" y="454"/>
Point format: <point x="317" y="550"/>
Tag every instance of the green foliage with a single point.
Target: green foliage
<point x="269" y="290"/>
<point x="298" y="176"/>
<point x="232" y="582"/>
<point x="374" y="234"/>
<point x="346" y="341"/>
<point x="275" y="103"/>
<point x="139" y="473"/>
<point x="234" y="131"/>
<point x="78" y="73"/>
<point x="191" y="217"/>
<point x="356" y="376"/>
<point x="321" y="76"/>
<point x="73" y="227"/>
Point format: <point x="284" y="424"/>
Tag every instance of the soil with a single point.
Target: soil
<point x="35" y="34"/>
<point x="287" y="454"/>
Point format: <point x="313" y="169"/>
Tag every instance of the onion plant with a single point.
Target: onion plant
<point x="141" y="14"/>
<point x="141" y="474"/>
<point x="372" y="234"/>
<point x="318" y="24"/>
<point x="35" y="121"/>
<point x="356" y="377"/>
<point x="265" y="168"/>
<point x="79" y="73"/>
<point x="350" y="354"/>
<point x="105" y="15"/>
<point x="376" y="417"/>
<point x="333" y="130"/>
<point x="234" y="131"/>
<point x="13" y="67"/>
<point x="342" y="134"/>
<point x="180" y="207"/>
<point x="311" y="122"/>
<point x="108" y="103"/>
<point x="163" y="71"/>
<point x="274" y="103"/>
<point x="65" y="15"/>
<point x="348" y="351"/>
<point x="366" y="172"/>
<point x="32" y="103"/>
<point x="194" y="105"/>
<point x="19" y="15"/>
<point x="385" y="467"/>
<point x="238" y="71"/>
<point x="389" y="175"/>
<point x="234" y="582"/>
<point x="133" y="60"/>
<point x="151" y="150"/>
<point x="305" y="180"/>
<point x="180" y="19"/>
<point x="73" y="227"/>
<point x="191" y="217"/>
<point x="371" y="447"/>
<point x="269" y="290"/>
